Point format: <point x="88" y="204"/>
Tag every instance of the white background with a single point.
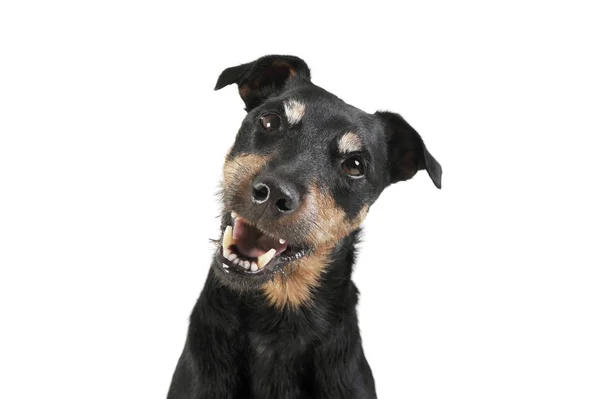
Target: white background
<point x="111" y="146"/>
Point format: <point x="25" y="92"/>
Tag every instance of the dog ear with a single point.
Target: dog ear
<point x="264" y="77"/>
<point x="407" y="153"/>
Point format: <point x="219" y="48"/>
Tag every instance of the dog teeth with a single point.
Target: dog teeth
<point x="254" y="267"/>
<point x="231" y="256"/>
<point x="234" y="215"/>
<point x="228" y="241"/>
<point x="266" y="258"/>
<point x="281" y="241"/>
<point x="245" y="264"/>
<point x="236" y="261"/>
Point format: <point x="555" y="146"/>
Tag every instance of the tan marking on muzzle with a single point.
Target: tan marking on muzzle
<point x="296" y="287"/>
<point x="349" y="142"/>
<point x="329" y="225"/>
<point x="239" y="171"/>
<point x="322" y="220"/>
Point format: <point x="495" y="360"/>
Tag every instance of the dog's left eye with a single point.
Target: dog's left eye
<point x="353" y="167"/>
<point x="270" y="122"/>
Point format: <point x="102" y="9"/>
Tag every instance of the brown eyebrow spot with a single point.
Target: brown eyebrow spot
<point x="349" y="142"/>
<point x="294" y="111"/>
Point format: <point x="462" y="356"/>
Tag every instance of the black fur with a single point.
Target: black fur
<point x="239" y="347"/>
<point x="238" y="344"/>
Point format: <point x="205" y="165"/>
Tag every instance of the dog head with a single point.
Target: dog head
<point x="301" y="175"/>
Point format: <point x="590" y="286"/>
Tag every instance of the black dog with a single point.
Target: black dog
<point x="277" y="316"/>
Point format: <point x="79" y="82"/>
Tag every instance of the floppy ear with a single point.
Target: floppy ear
<point x="407" y="153"/>
<point x="264" y="77"/>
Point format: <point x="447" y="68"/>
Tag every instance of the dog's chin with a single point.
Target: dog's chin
<point x="248" y="256"/>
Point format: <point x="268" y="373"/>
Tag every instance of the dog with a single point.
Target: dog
<point x="277" y="315"/>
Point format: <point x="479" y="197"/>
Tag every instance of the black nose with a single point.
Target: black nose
<point x="276" y="192"/>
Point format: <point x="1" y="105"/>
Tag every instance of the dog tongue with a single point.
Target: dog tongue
<point x="251" y="242"/>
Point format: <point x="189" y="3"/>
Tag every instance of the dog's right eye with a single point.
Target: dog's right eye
<point x="270" y="122"/>
<point x="354" y="167"/>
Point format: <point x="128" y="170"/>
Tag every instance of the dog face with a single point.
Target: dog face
<point x="301" y="175"/>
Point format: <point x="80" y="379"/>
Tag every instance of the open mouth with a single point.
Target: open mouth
<point x="249" y="250"/>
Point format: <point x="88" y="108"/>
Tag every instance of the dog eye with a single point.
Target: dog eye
<point x="270" y="122"/>
<point x="353" y="167"/>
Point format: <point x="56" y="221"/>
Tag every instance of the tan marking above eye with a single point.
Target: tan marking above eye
<point x="349" y="142"/>
<point x="294" y="111"/>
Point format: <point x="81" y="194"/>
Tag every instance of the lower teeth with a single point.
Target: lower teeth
<point x="255" y="264"/>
